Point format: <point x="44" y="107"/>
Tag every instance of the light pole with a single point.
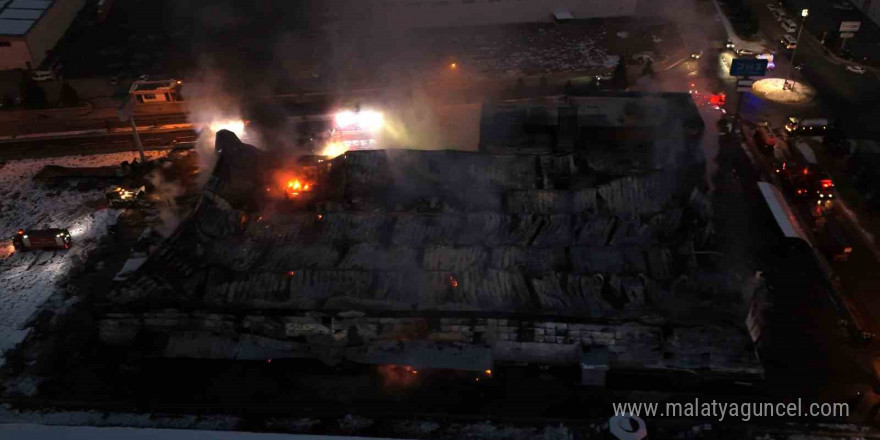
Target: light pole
<point x="786" y="85"/>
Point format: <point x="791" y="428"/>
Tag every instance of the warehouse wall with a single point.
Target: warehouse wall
<point x="15" y="55"/>
<point x="51" y="27"/>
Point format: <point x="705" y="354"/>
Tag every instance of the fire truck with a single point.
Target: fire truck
<point x="26" y="240"/>
<point x="803" y="175"/>
<point x="809" y="127"/>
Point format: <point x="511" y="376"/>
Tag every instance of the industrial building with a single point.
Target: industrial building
<point x="450" y="259"/>
<point x="146" y="92"/>
<point x="456" y="13"/>
<point x="29" y="29"/>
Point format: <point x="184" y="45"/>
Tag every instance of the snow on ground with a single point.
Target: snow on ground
<point x="27" y="279"/>
<point x="524" y="52"/>
<point x="771" y="88"/>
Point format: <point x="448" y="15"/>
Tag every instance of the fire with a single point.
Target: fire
<point x="295" y="187"/>
<point x="235" y="125"/>
<point x="334" y="149"/>
<point x="398" y="375"/>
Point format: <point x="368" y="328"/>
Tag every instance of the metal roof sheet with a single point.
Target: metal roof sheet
<point x="31" y="4"/>
<point x="21" y="14"/>
<point x="15" y="27"/>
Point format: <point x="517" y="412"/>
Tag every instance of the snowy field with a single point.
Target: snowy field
<point x="524" y="51"/>
<point x="27" y="279"/>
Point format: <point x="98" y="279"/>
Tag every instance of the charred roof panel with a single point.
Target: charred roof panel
<point x="371" y="257"/>
<point x="296" y="256"/>
<point x="643" y="194"/>
<point x="530" y="259"/>
<point x="454" y="259"/>
<point x="538" y="201"/>
<point x="556" y="231"/>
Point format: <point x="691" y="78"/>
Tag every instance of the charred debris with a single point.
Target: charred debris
<point x="578" y="235"/>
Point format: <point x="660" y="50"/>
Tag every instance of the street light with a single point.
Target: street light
<point x="797" y="43"/>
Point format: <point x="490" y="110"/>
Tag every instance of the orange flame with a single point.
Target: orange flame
<point x="453" y="282"/>
<point x="398" y="375"/>
<point x="295" y="187"/>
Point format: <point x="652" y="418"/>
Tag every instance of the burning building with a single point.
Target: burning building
<point x="447" y="259"/>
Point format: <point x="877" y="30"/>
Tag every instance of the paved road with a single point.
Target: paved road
<point x="852" y="97"/>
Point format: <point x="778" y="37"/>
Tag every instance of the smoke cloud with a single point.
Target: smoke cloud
<point x="166" y="192"/>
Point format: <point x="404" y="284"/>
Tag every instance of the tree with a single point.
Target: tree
<point x="619" y="78"/>
<point x="69" y="97"/>
<point x="648" y="70"/>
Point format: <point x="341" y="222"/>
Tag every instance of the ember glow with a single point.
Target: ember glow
<point x="295" y="187"/>
<point x="398" y="375"/>
<point x="334" y="149"/>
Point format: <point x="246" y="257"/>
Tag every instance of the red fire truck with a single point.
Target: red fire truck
<point x="41" y="239"/>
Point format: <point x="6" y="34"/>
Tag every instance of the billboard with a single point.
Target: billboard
<point x="748" y="67"/>
<point x="850" y="26"/>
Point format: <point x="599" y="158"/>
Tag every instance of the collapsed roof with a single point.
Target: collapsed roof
<point x="398" y="234"/>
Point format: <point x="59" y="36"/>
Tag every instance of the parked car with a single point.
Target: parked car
<point x="746" y="52"/>
<point x="42" y="75"/>
<point x="788" y="25"/>
<point x="855" y="69"/>
<point x="778" y="15"/>
<point x="845" y="6"/>
<point x="788" y="41"/>
<point x="773" y="6"/>
<point x="143" y="77"/>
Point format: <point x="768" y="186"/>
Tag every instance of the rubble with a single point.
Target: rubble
<point x="501" y="257"/>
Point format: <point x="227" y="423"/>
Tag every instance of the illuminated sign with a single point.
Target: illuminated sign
<point x="361" y="120"/>
<point x="359" y="143"/>
<point x="748" y="67"/>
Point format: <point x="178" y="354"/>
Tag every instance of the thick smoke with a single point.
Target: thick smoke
<point x="167" y="192"/>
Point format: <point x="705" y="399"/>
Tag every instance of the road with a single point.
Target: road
<point x="851" y="97"/>
<point x="811" y="353"/>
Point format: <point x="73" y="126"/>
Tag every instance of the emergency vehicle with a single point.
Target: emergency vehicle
<point x="809" y="127"/>
<point x="26" y="240"/>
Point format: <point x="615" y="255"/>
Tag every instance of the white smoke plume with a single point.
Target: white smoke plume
<point x="211" y="109"/>
<point x="165" y="194"/>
